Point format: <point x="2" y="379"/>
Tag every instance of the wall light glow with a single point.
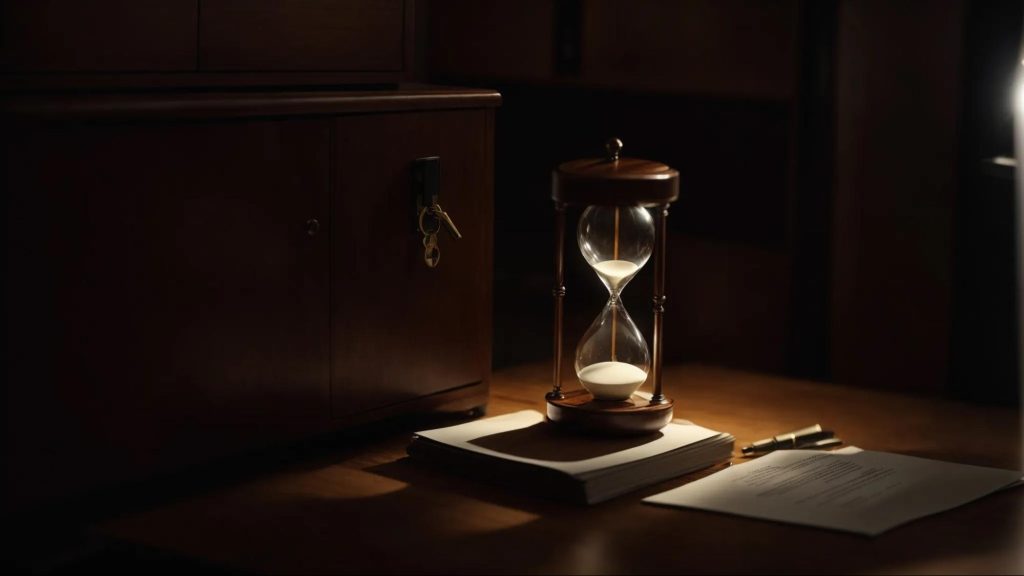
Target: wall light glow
<point x="1018" y="92"/>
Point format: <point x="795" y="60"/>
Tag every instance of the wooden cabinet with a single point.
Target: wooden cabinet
<point x="196" y="273"/>
<point x="58" y="44"/>
<point x="398" y="317"/>
<point x="191" y="276"/>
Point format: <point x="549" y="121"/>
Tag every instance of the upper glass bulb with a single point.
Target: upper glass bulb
<point x="616" y="241"/>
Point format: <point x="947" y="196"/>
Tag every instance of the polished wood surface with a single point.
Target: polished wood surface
<point x="579" y="410"/>
<point x="202" y="105"/>
<point x="363" y="507"/>
<point x="26" y="82"/>
<point x="625" y="181"/>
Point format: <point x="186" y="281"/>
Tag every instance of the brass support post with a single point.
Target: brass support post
<point x="559" y="294"/>
<point x="660" y="229"/>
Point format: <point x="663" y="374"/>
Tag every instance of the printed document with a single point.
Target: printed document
<point x="851" y="490"/>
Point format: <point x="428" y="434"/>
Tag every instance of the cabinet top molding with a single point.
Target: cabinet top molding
<point x="246" y="104"/>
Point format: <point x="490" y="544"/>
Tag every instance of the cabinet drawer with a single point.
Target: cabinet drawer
<point x="282" y="35"/>
<point x="402" y="330"/>
<point x="98" y="36"/>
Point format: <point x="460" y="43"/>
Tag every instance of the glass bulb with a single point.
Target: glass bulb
<point x="612" y="360"/>
<point x="616" y="241"/>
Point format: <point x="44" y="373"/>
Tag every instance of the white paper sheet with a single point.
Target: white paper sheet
<point x="851" y="490"/>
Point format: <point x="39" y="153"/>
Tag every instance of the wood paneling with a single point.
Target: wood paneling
<point x="729" y="304"/>
<point x="98" y="35"/>
<point x="301" y="35"/>
<point x="505" y="40"/>
<point x="896" y="133"/>
<point x="732" y="47"/>
<point x="400" y="329"/>
<point x="165" y="303"/>
<point x="119" y="44"/>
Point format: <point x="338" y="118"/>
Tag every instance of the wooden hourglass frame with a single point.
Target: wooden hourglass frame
<point x="612" y="181"/>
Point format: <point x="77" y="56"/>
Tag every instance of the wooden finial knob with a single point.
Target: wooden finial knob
<point x="613" y="146"/>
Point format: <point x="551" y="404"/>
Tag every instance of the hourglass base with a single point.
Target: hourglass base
<point x="579" y="410"/>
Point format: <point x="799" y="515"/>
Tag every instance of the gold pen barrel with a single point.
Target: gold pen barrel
<point x="786" y="440"/>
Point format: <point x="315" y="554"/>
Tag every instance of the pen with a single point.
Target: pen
<point x="809" y="437"/>
<point x="823" y="443"/>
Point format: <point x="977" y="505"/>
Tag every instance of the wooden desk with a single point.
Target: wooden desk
<point x="366" y="508"/>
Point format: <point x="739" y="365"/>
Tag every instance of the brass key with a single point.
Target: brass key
<point x="431" y="253"/>
<point x="440" y="213"/>
<point x="430" y="223"/>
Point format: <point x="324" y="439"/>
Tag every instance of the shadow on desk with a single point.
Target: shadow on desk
<point x="401" y="517"/>
<point x="366" y="508"/>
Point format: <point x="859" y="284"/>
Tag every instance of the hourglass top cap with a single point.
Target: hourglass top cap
<point x="614" y="180"/>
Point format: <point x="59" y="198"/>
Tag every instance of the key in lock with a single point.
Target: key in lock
<point x="429" y="224"/>
<point x="431" y="253"/>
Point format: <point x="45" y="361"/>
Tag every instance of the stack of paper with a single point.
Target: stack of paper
<point x="524" y="450"/>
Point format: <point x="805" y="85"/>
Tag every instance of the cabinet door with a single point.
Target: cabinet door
<point x="166" y="300"/>
<point x="402" y="330"/>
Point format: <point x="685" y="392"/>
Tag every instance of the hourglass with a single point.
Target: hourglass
<point x="617" y="235"/>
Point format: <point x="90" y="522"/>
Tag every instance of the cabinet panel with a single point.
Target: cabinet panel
<point x="895" y="190"/>
<point x="730" y="48"/>
<point x="503" y="40"/>
<point x="98" y="36"/>
<point x="165" y="301"/>
<point x="717" y="47"/>
<point x="284" y="35"/>
<point x="402" y="330"/>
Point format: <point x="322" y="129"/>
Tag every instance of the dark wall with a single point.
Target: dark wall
<point x="734" y="194"/>
<point x="706" y="87"/>
<point x="818" y="145"/>
<point x="985" y="363"/>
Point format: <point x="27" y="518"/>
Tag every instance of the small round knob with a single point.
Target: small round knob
<point x="312" y="226"/>
<point x="613" y="146"/>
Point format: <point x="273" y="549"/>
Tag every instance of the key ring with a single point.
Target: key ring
<point x="437" y="222"/>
